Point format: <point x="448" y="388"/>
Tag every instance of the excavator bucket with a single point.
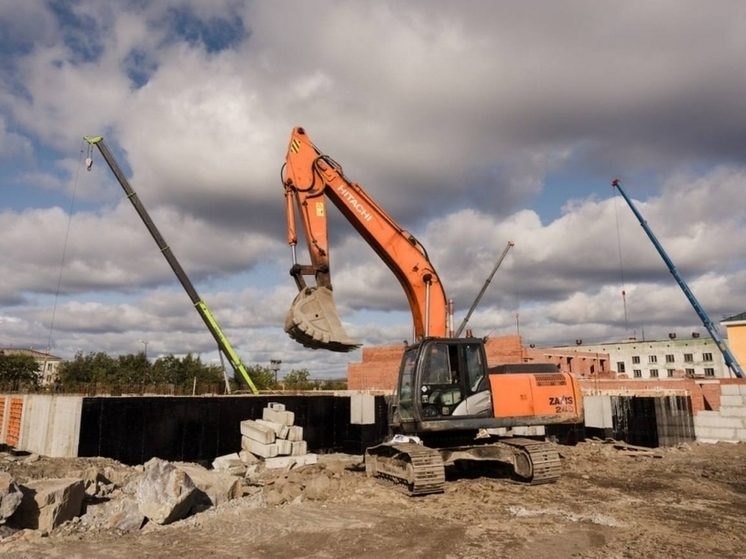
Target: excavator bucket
<point x="314" y="323"/>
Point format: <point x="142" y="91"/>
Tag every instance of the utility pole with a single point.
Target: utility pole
<point x="145" y="343"/>
<point x="274" y="366"/>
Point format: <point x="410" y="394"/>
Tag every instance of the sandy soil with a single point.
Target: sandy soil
<point x="682" y="502"/>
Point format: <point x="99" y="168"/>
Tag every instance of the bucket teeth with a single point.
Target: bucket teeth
<point x="313" y="322"/>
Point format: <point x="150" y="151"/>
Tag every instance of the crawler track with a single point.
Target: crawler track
<point x="411" y="468"/>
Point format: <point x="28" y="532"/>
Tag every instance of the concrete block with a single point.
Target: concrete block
<point x="277" y="406"/>
<point x="279" y="462"/>
<point x="731" y="401"/>
<point x="362" y="409"/>
<point x="230" y="463"/>
<point x="280" y="430"/>
<point x="257" y="431"/>
<point x="733" y="411"/>
<point x="298" y="448"/>
<point x="283" y="417"/>
<point x="741" y="434"/>
<point x="598" y="412"/>
<point x="715" y="433"/>
<point x="718" y="421"/>
<point x="260" y="449"/>
<point x="730" y="390"/>
<point x="284" y="447"/>
<point x="248" y="458"/>
<point x="529" y="431"/>
<point x="288" y="462"/>
<point x="295" y="433"/>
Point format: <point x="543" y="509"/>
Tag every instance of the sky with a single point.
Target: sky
<point x="471" y="123"/>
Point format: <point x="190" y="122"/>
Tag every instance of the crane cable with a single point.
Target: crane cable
<point x="621" y="262"/>
<point x="88" y="163"/>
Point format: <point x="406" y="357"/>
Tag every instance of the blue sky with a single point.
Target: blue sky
<point x="471" y="124"/>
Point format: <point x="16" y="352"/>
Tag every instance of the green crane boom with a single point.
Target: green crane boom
<point x="204" y="311"/>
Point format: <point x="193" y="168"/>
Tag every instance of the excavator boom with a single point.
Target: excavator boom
<point x="310" y="177"/>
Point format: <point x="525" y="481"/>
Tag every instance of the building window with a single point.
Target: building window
<point x="635" y="359"/>
<point x="690" y="372"/>
<point x="670" y="373"/>
<point x="669" y="358"/>
<point x="652" y="358"/>
<point x="620" y="367"/>
<point x="709" y="372"/>
<point x="653" y="373"/>
<point x="637" y="373"/>
<point x="688" y="358"/>
<point x="707" y="357"/>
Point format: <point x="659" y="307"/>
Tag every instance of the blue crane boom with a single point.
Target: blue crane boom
<point x="730" y="360"/>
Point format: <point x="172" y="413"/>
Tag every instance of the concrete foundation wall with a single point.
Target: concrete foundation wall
<point x="43" y="424"/>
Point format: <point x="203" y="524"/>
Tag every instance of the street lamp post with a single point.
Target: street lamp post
<point x="274" y="366"/>
<point x="145" y="343"/>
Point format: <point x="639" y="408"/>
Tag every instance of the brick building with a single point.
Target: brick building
<point x="379" y="367"/>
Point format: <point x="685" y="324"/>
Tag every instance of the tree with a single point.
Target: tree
<point x="298" y="379"/>
<point x="18" y="371"/>
<point x="262" y="377"/>
<point x="91" y="368"/>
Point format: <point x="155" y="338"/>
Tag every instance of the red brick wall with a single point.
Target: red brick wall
<point x="380" y="365"/>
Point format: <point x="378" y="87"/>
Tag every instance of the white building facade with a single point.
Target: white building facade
<point x="660" y="359"/>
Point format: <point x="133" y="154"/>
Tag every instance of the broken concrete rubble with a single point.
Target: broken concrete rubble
<point x="219" y="487"/>
<point x="165" y="493"/>
<point x="47" y="503"/>
<point x="10" y="496"/>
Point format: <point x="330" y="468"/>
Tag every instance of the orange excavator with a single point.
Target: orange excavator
<point x="448" y="407"/>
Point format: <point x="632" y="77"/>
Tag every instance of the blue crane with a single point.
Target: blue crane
<point x="730" y="360"/>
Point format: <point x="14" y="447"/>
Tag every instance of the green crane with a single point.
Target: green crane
<point x="223" y="344"/>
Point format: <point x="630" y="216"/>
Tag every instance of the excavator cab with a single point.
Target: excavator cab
<point x="441" y="378"/>
<point x="445" y="384"/>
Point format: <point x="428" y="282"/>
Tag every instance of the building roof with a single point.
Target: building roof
<point x="735" y="318"/>
<point x="28" y="351"/>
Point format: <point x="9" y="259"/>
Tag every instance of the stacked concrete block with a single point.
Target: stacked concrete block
<point x="728" y="423"/>
<point x="274" y="439"/>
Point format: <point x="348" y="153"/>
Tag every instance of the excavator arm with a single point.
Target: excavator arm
<point x="309" y="178"/>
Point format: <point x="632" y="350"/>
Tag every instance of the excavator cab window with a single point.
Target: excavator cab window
<point x="406" y="382"/>
<point x="475" y="368"/>
<point x="441" y="389"/>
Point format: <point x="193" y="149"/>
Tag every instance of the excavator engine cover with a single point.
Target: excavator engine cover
<point x="313" y="322"/>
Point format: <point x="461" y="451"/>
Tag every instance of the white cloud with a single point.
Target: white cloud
<point x="455" y="118"/>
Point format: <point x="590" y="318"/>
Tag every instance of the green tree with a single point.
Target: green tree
<point x="91" y="368"/>
<point x="333" y="384"/>
<point x="18" y="371"/>
<point x="183" y="372"/>
<point x="262" y="377"/>
<point x="134" y="369"/>
<point x="298" y="379"/>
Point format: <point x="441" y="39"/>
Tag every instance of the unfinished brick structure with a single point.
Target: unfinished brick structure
<point x="380" y="365"/>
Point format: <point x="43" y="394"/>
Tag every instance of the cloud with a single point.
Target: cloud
<point x="464" y="122"/>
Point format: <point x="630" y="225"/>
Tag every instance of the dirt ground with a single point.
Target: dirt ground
<point x="688" y="501"/>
